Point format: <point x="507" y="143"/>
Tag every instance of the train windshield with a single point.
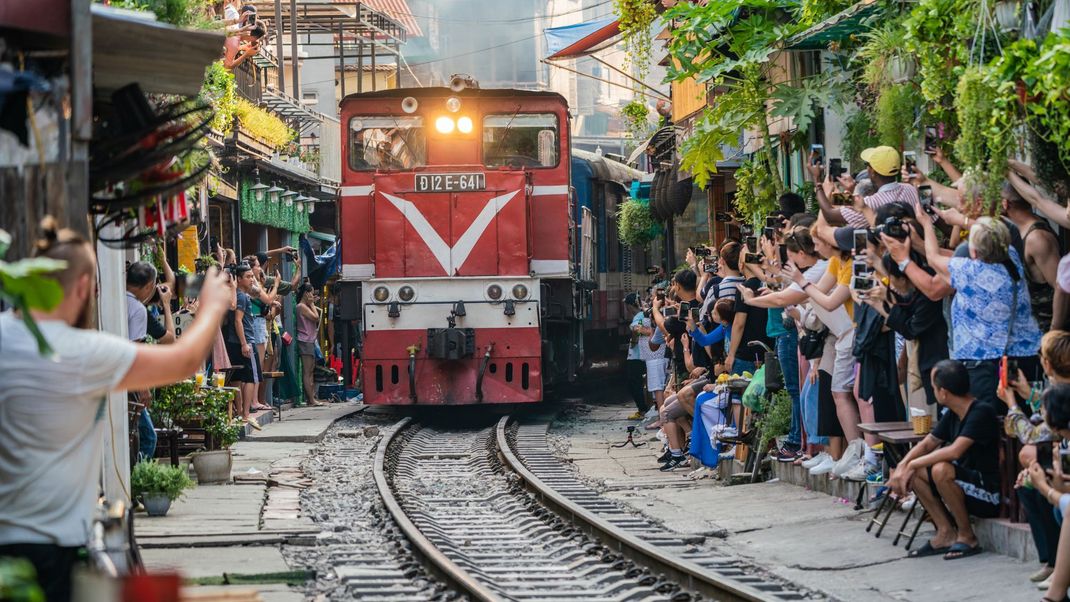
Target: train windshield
<point x="520" y="140"/>
<point x="387" y="143"/>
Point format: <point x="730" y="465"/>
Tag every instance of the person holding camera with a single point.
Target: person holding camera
<point x="141" y="290"/>
<point x="634" y="366"/>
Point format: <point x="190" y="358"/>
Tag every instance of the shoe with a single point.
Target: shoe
<point x="786" y="455"/>
<point x="673" y="463"/>
<point x="747" y="438"/>
<point x="728" y="455"/>
<point x="635" y="416"/>
<point x="875" y="478"/>
<point x="665" y="457"/>
<point x="824" y="467"/>
<point x="1042" y="574"/>
<point x="859" y="473"/>
<point x="908" y="502"/>
<point x="812" y="462"/>
<point x="850" y="458"/>
<point x="1044" y="585"/>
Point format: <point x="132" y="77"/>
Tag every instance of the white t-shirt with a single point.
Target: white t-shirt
<point x="52" y="428"/>
<point x="137" y="318"/>
<point x="837" y="321"/>
<point x="230" y="13"/>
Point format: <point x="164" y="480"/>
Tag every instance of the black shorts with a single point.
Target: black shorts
<point x="246" y="369"/>
<point x="828" y="422"/>
<point x="982" y="499"/>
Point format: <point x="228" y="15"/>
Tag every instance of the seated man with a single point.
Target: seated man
<point x="676" y="415"/>
<point x="954" y="471"/>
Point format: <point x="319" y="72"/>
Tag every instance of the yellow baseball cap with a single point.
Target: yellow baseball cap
<point x="883" y="159"/>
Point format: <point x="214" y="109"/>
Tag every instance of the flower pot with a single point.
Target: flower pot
<point x="156" y="504"/>
<point x="901" y="68"/>
<point x="212" y="466"/>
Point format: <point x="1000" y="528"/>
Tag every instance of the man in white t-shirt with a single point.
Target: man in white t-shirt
<point x="52" y="410"/>
<point x="635" y="367"/>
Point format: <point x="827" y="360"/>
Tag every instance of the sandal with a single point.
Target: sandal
<point x="928" y="550"/>
<point x="962" y="550"/>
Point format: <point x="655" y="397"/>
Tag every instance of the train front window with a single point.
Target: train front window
<point x="520" y="140"/>
<point x="387" y="143"/>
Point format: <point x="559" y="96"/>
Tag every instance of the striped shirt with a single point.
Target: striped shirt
<point x="889" y="193"/>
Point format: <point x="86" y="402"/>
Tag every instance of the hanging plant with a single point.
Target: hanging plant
<point x="635" y="115"/>
<point x="897" y="114"/>
<point x="634" y="18"/>
<point x="755" y="193"/>
<point x="983" y="145"/>
<point x="883" y="47"/>
<point x="635" y="223"/>
<point x="220" y="91"/>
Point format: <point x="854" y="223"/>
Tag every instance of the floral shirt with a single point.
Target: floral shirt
<point x="981" y="310"/>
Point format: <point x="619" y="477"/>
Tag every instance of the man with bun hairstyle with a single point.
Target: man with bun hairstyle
<point x="52" y="409"/>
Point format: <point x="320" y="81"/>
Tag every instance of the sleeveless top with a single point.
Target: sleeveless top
<point x="306" y="329"/>
<point x="1041" y="294"/>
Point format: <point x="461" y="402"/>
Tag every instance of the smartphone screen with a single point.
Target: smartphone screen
<point x="860" y="240"/>
<point x="752" y="244"/>
<point x="694" y="313"/>
<point x="817" y="154"/>
<point x="932" y="139"/>
<point x="911" y="161"/>
<point x="1044" y="454"/>
<point x="925" y="197"/>
<point x="772" y="221"/>
<point x="783" y="255"/>
<point x="859" y="268"/>
<point x="835" y="167"/>
<point x="769" y="233"/>
<point x="669" y="312"/>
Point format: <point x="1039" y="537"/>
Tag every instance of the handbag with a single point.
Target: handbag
<point x="287" y="338"/>
<point x="812" y="343"/>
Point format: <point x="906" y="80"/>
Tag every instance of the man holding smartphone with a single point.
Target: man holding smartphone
<point x="882" y="166"/>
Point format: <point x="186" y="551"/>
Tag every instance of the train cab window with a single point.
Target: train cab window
<point x="520" y="140"/>
<point x="386" y="142"/>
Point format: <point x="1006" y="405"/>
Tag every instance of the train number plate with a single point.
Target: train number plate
<point x="450" y="182"/>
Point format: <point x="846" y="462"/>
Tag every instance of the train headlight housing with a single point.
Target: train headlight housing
<point x="494" y="292"/>
<point x="520" y="292"/>
<point x="381" y="294"/>
<point x="406" y="294"/>
<point x="445" y="125"/>
<point x="453" y="104"/>
<point x="464" y="125"/>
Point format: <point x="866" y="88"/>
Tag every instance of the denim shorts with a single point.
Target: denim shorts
<point x="260" y="336"/>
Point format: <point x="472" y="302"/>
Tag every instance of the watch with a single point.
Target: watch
<point x="902" y="265"/>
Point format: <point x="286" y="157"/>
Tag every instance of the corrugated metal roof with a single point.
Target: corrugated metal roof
<point x="400" y="12"/>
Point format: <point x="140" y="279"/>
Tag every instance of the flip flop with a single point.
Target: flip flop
<point x="962" y="550"/>
<point x="928" y="550"/>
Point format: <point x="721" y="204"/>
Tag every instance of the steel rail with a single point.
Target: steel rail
<point x="440" y="564"/>
<point x="687" y="574"/>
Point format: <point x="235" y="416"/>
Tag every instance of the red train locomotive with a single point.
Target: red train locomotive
<point x="457" y="239"/>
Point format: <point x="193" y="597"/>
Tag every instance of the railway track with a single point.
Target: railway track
<point x="496" y="516"/>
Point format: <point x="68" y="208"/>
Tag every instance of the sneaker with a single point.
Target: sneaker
<point x="635" y="416"/>
<point x="824" y="467"/>
<point x="859" y="473"/>
<point x="812" y="462"/>
<point x="663" y="458"/>
<point x="908" y="502"/>
<point x="674" y="463"/>
<point x="786" y="455"/>
<point x="850" y="458"/>
<point x="1044" y="585"/>
<point x="875" y="478"/>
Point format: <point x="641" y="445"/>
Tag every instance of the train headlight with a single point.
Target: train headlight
<point x="464" y="125"/>
<point x="406" y="293"/>
<point x="444" y="125"/>
<point x="453" y="104"/>
<point x="381" y="294"/>
<point x="520" y="291"/>
<point x="494" y="292"/>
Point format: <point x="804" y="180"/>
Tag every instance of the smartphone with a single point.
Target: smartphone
<point x="925" y="198"/>
<point x="860" y="240"/>
<point x="752" y="244"/>
<point x="732" y="232"/>
<point x="932" y="139"/>
<point x="769" y="233"/>
<point x="1012" y="370"/>
<point x="694" y="313"/>
<point x="835" y="167"/>
<point x="659" y="294"/>
<point x="910" y="159"/>
<point x="1044" y="454"/>
<point x="841" y="199"/>
<point x="753" y="258"/>
<point x="783" y="255"/>
<point x="773" y="221"/>
<point x="1003" y="372"/>
<point x="817" y="154"/>
<point x="710" y="267"/>
<point x="669" y="312"/>
<point x="862" y="283"/>
<point x="860" y="268"/>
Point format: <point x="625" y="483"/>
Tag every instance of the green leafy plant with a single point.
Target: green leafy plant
<point x="634" y="18"/>
<point x="756" y="195"/>
<point x="197" y="14"/>
<point x="775" y="421"/>
<point x="859" y="133"/>
<point x="18" y="581"/>
<point x="897" y="114"/>
<point x="635" y="114"/>
<point x="636" y="225"/>
<point x="220" y="91"/>
<point x="881" y="46"/>
<point x="149" y="477"/>
<point x="983" y="144"/>
<point x="25" y="286"/>
<point x="263" y="125"/>
<point x="223" y="429"/>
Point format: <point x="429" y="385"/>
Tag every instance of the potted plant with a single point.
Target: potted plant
<point x="158" y="485"/>
<point x="221" y="431"/>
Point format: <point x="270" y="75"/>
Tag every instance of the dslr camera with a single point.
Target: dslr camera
<point x="894" y="227"/>
<point x="701" y="251"/>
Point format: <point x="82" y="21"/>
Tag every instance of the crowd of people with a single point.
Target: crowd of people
<point x="896" y="297"/>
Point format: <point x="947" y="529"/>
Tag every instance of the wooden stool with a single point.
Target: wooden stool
<point x="888" y="503"/>
<point x="269" y="382"/>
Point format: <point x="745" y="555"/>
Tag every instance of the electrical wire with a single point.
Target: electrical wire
<point x="517" y="20"/>
<point x="478" y="50"/>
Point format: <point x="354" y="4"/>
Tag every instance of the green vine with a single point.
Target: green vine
<point x="635" y="114"/>
<point x="897" y="111"/>
<point x="983" y="144"/>
<point x="221" y="92"/>
<point x="634" y="18"/>
<point x="756" y="196"/>
<point x="636" y="225"/>
<point x="859" y="133"/>
<point x="775" y="421"/>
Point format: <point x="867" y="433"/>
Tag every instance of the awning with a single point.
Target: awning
<point x="571" y="41"/>
<point x="856" y="19"/>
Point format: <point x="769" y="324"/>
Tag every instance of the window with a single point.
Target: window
<point x="386" y="143"/>
<point x="528" y="140"/>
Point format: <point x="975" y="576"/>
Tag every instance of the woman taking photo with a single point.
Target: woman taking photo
<point x="308" y="321"/>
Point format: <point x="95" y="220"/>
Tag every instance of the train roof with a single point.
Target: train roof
<point x="607" y="169"/>
<point x="432" y="92"/>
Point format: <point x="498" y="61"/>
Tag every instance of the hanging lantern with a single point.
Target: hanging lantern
<point x="259" y="190"/>
<point x="273" y="193"/>
<point x="288" y="197"/>
<point x="310" y="206"/>
<point x="299" y="206"/>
